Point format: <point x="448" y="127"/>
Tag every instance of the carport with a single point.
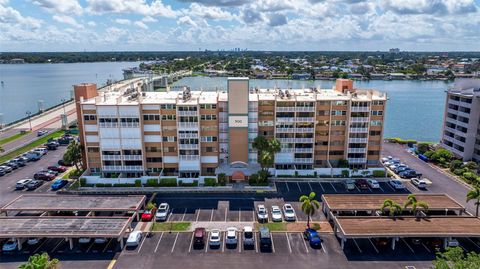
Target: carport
<point x="335" y="204"/>
<point x="47" y="203"/>
<point x="69" y="228"/>
<point x="401" y="227"/>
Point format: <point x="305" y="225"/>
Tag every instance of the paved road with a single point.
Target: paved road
<point x="442" y="183"/>
<point x="7" y="190"/>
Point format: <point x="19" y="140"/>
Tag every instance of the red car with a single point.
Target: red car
<point x="58" y="168"/>
<point x="361" y="184"/>
<point x="148" y="215"/>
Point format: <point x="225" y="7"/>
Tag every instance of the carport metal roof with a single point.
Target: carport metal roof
<point x="367" y="202"/>
<point x="368" y="227"/>
<point x="62" y="227"/>
<point x="49" y="202"/>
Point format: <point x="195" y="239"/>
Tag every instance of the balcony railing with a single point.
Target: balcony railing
<point x="304" y="130"/>
<point x="357" y="160"/>
<point x="303" y="160"/>
<point x="285" y="109"/>
<point x="195" y="135"/>
<point x="253" y="130"/>
<point x="305" y="109"/>
<point x="304" y="150"/>
<point x="304" y="140"/>
<point x="188" y="158"/>
<point x="357" y="150"/>
<point x="188" y="125"/>
<point x="130" y="124"/>
<point x="111" y="157"/>
<point x="285" y="119"/>
<point x="358" y="140"/>
<point x="360" y="109"/>
<point x="360" y="119"/>
<point x="286" y="140"/>
<point x="187" y="113"/>
<point x="305" y="119"/>
<point x="285" y="130"/>
<point x="287" y="150"/>
<point x="188" y="146"/>
<point x="108" y="124"/>
<point x="120" y="168"/>
<point x="132" y="157"/>
<point x="358" y="130"/>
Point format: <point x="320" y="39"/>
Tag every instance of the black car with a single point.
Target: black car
<point x="11" y="164"/>
<point x="410" y="174"/>
<point x="361" y="184"/>
<point x="63" y="163"/>
<point x="44" y="176"/>
<point x="51" y="145"/>
<point x="20" y="162"/>
<point x="34" y="184"/>
<point x="265" y="240"/>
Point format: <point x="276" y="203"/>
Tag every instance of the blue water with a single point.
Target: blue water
<point x="414" y="109"/>
<point x="25" y="84"/>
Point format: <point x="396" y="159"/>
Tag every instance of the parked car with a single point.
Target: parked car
<point x="49" y="172"/>
<point x="57" y="168"/>
<point x="289" y="212"/>
<point x="148" y="214"/>
<point x="265" y="240"/>
<point x="23" y="158"/>
<point x="58" y="184"/>
<point x="349" y="184"/>
<point x="248" y="238"/>
<point x="419" y="183"/>
<point x="2" y="172"/>
<point x="396" y="184"/>
<point x="22" y="183"/>
<point x="51" y="145"/>
<point x="276" y="213"/>
<point x="381" y="243"/>
<point x="262" y="214"/>
<point x="42" y="133"/>
<point x="373" y="183"/>
<point x="6" y="168"/>
<point x="410" y="174"/>
<point x="452" y="243"/>
<point x="42" y="175"/>
<point x="41" y="151"/>
<point x="33" y="156"/>
<point x="162" y="212"/>
<point x="313" y="238"/>
<point x="64" y="163"/>
<point x="214" y="240"/>
<point x="134" y="239"/>
<point x="231" y="237"/>
<point x="401" y="169"/>
<point x="100" y="240"/>
<point x="11" y="164"/>
<point x="20" y="162"/>
<point x="199" y="238"/>
<point x="32" y="241"/>
<point x="34" y="184"/>
<point x="10" y="245"/>
<point x="361" y="184"/>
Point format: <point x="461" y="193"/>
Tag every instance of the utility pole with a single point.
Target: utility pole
<point x="29" y="119"/>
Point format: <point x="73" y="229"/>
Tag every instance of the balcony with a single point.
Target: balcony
<point x="303" y="150"/>
<point x="253" y="130"/>
<point x="189" y="158"/>
<point x="285" y="130"/>
<point x="285" y="109"/>
<point x="132" y="157"/>
<point x="360" y="109"/>
<point x="108" y="124"/>
<point x="304" y="119"/>
<point x="286" y="140"/>
<point x="195" y="135"/>
<point x="188" y="146"/>
<point x="357" y="150"/>
<point x="188" y="125"/>
<point x="287" y="150"/>
<point x="357" y="160"/>
<point x="285" y="119"/>
<point x="358" y="130"/>
<point x="305" y="109"/>
<point x="187" y="113"/>
<point x="111" y="157"/>
<point x="120" y="168"/>
<point x="130" y="124"/>
<point x="357" y="140"/>
<point x="359" y="119"/>
<point x="304" y="130"/>
<point x="304" y="140"/>
<point x="303" y="160"/>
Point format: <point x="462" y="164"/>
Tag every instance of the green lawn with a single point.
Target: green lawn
<point x="31" y="146"/>
<point x="12" y="138"/>
<point x="173" y="226"/>
<point x="273" y="226"/>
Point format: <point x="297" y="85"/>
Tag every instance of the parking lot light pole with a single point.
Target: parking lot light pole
<point x="29" y="119"/>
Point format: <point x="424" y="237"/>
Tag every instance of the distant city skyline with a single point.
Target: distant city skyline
<point x="156" y="25"/>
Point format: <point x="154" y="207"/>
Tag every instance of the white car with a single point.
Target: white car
<point x="420" y="183"/>
<point x="10" y="245"/>
<point x="248" y="237"/>
<point x="373" y="183"/>
<point x="289" y="212"/>
<point x="396" y="184"/>
<point x="84" y="240"/>
<point x="162" y="212"/>
<point x="22" y="183"/>
<point x="231" y="237"/>
<point x="262" y="214"/>
<point x="214" y="240"/>
<point x="100" y="240"/>
<point x="134" y="239"/>
<point x="276" y="213"/>
<point x="32" y="241"/>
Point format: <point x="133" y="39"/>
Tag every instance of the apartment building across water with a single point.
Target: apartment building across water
<point x="192" y="134"/>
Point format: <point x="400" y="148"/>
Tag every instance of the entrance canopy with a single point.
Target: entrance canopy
<point x="238" y="175"/>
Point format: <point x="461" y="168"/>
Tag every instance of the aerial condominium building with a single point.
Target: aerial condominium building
<point x="191" y="134"/>
<point x="461" y="130"/>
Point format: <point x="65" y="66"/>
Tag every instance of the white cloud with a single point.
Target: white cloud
<point x="186" y="20"/>
<point x="11" y="17"/>
<point x="67" y="20"/>
<point x="123" y="21"/>
<point x="212" y="12"/>
<point x="149" y="19"/>
<point x="155" y="8"/>
<point x="60" y="6"/>
<point x="92" y="23"/>
<point x="141" y="25"/>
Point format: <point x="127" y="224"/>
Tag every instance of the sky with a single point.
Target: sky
<point x="164" y="25"/>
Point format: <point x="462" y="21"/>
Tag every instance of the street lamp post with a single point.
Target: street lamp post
<point x="63" y="118"/>
<point x="63" y="103"/>
<point x="29" y="119"/>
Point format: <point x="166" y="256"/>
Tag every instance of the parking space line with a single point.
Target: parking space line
<point x="298" y="185"/>
<point x="158" y="243"/>
<point x="388" y="184"/>
<point x="36" y="250"/>
<point x="373" y="245"/>
<point x="357" y="188"/>
<point x="323" y="247"/>
<point x="174" y="242"/>
<point x="198" y="213"/>
<point x="106" y="246"/>
<point x="226" y="209"/>
<point x="211" y="215"/>
<point x="286" y="184"/>
<point x="141" y="244"/>
<point x="239" y="242"/>
<point x="191" y="243"/>
<point x="223" y="242"/>
<point x="253" y="214"/>
<point x="288" y="241"/>
<point x="184" y="213"/>
<point x="273" y="245"/>
<point x="169" y="215"/>
<point x="256" y="242"/>
<point x="321" y="186"/>
<point x="305" y="244"/>
<point x="90" y="247"/>
<point x="381" y="188"/>
<point x="333" y="187"/>
<point x="473" y="242"/>
<point x="411" y="249"/>
<point x="208" y="240"/>
<point x="239" y="214"/>
<point x="308" y="182"/>
<point x="426" y="248"/>
<point x="59" y="243"/>
<point x="356" y="244"/>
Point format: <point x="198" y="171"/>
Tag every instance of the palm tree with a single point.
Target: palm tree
<point x="391" y="206"/>
<point x="309" y="205"/>
<point x="73" y="154"/>
<point x="474" y="195"/>
<point x="40" y="261"/>
<point x="266" y="151"/>
<point x="415" y="204"/>
<point x="1" y="149"/>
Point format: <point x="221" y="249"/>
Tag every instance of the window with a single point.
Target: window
<point x="169" y="139"/>
<point x="376" y="123"/>
<point x="169" y="149"/>
<point x="95" y="170"/>
<point x="152" y="149"/>
<point x="210" y="149"/>
<point x="338" y="123"/>
<point x="323" y="122"/>
<point x="208" y="117"/>
<point x="92" y="149"/>
<point x="265" y="123"/>
<point x="266" y="103"/>
<point x="208" y="106"/>
<point x="377" y="112"/>
<point x="323" y="113"/>
<point x="169" y="117"/>
<point x="151" y="117"/>
<point x="89" y="117"/>
<point x="337" y="143"/>
<point x="154" y="160"/>
<point x="373" y="152"/>
<point x="375" y="133"/>
<point x="340" y="103"/>
<point x="377" y="103"/>
<point x="336" y="152"/>
<point x="168" y="106"/>
<point x="339" y="112"/>
<point x="324" y="103"/>
<point x="209" y="138"/>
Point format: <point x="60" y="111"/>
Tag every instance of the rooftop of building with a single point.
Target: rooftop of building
<point x="466" y="87"/>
